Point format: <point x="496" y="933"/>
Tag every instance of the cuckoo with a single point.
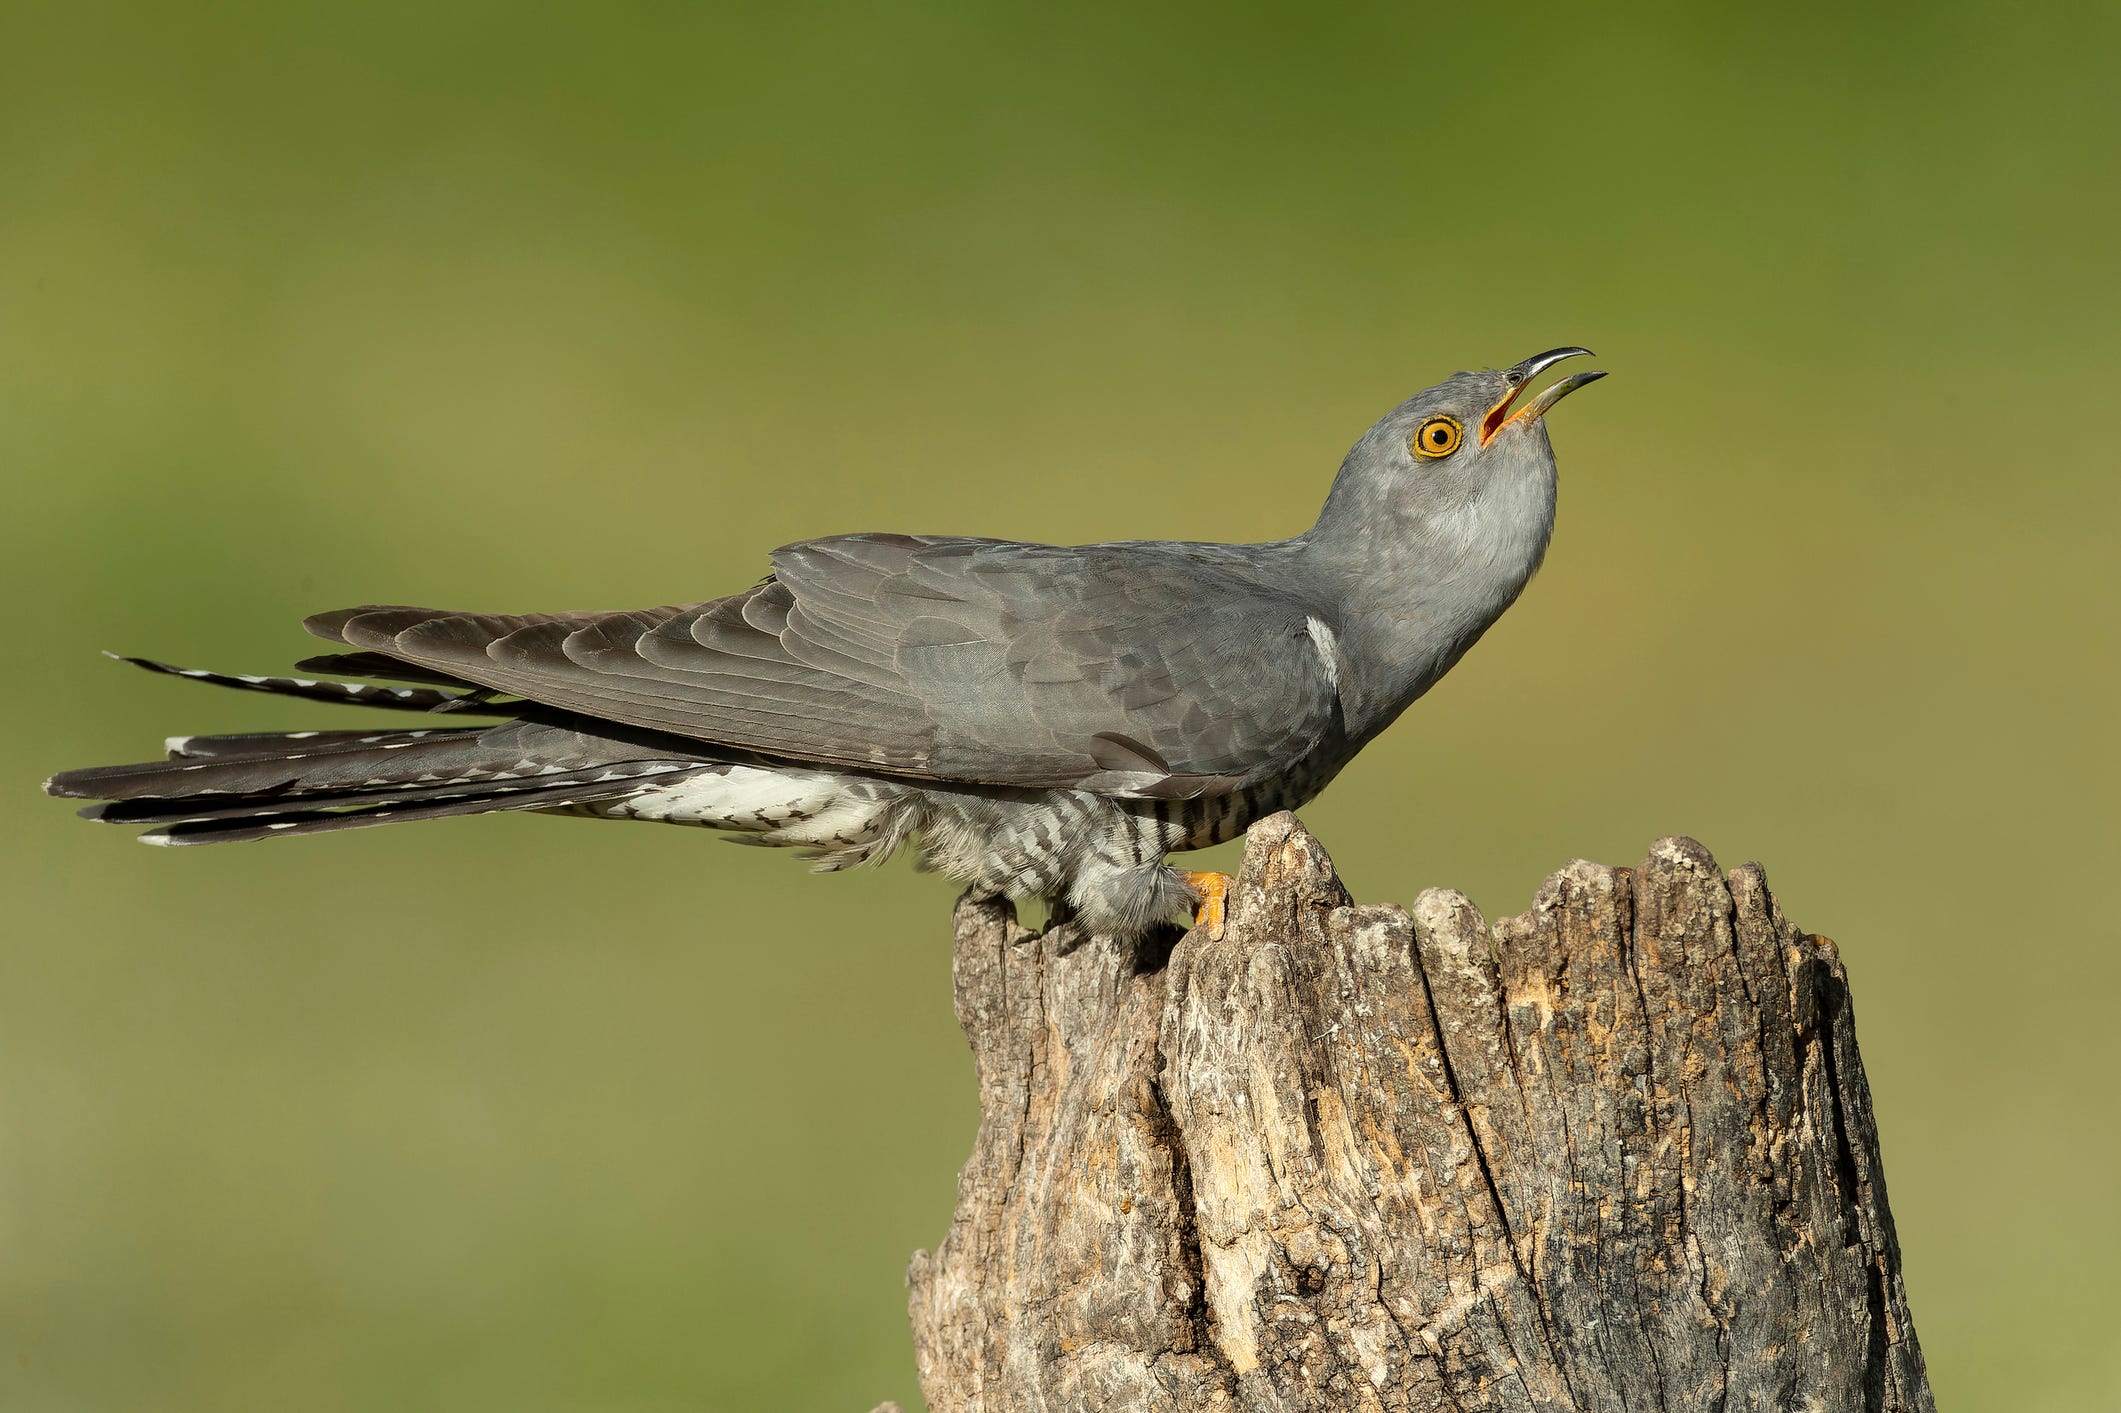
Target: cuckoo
<point x="1041" y="720"/>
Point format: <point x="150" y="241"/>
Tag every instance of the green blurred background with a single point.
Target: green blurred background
<point x="515" y="306"/>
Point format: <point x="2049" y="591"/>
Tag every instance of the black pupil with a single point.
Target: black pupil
<point x="1439" y="436"/>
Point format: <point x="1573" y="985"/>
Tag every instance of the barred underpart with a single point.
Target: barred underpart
<point x="1103" y="858"/>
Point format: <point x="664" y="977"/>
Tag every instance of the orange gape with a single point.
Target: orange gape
<point x="1214" y="890"/>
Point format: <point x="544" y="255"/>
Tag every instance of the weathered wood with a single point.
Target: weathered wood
<point x="1615" y="1153"/>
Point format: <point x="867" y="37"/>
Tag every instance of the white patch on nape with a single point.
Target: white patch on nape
<point x="1328" y="649"/>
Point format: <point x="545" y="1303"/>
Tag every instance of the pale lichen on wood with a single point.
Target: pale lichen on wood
<point x="1614" y="1153"/>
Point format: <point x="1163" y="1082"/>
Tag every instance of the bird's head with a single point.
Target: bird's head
<point x="1465" y="461"/>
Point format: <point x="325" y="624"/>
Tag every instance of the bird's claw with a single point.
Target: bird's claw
<point x="1214" y="891"/>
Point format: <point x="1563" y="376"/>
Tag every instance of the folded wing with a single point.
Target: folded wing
<point x="1124" y="669"/>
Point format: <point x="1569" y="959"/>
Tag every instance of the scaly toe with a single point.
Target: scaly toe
<point x="1214" y="891"/>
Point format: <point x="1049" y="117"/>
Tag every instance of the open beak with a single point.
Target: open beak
<point x="1520" y="377"/>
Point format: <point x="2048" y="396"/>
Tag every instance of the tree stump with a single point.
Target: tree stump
<point x="1614" y="1153"/>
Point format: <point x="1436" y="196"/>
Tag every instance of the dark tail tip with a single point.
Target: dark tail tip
<point x="67" y="785"/>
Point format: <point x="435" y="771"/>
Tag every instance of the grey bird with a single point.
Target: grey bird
<point x="1045" y="720"/>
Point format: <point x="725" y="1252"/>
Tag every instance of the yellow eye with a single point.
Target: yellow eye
<point x="1439" y="436"/>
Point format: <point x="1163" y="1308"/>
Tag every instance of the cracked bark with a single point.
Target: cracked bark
<point x="1614" y="1153"/>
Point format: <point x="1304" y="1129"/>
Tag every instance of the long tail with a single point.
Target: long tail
<point x="223" y="789"/>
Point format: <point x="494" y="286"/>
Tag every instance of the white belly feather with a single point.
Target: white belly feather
<point x="799" y="808"/>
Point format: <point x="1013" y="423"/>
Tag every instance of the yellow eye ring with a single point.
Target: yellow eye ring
<point x="1439" y="436"/>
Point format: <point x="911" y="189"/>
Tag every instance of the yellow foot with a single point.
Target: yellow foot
<point x="1214" y="890"/>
